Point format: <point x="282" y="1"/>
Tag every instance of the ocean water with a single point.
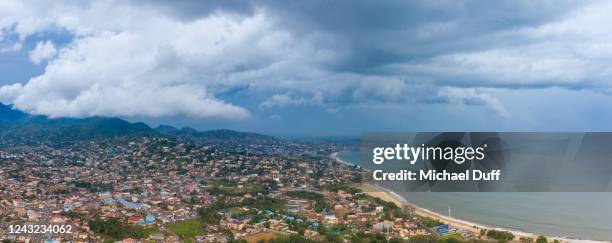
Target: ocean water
<point x="572" y="215"/>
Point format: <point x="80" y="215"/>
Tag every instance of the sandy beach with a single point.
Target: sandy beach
<point x="390" y="196"/>
<point x="335" y="157"/>
<point x="384" y="194"/>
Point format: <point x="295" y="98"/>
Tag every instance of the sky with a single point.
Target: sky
<point x="313" y="68"/>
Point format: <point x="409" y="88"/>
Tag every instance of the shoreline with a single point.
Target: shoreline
<point x="334" y="156"/>
<point x="391" y="196"/>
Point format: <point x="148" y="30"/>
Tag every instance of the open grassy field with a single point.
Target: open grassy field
<point x="188" y="228"/>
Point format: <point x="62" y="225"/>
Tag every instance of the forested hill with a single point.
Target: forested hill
<point x="20" y="128"/>
<point x="218" y="137"/>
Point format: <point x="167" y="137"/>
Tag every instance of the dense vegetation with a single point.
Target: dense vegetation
<point x="500" y="235"/>
<point x="113" y="228"/>
<point x="19" y="128"/>
<point x="223" y="138"/>
<point x="429" y="222"/>
<point x="211" y="214"/>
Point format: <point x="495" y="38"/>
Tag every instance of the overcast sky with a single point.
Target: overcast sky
<point x="314" y="68"/>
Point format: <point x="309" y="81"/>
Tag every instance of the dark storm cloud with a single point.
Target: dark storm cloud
<point x="371" y="37"/>
<point x="373" y="33"/>
<point x="330" y="55"/>
<point x="188" y="10"/>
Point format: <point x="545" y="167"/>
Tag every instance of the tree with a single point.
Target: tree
<point x="541" y="239"/>
<point x="500" y="235"/>
<point x="422" y="239"/>
<point x="451" y="240"/>
<point x="395" y="240"/>
<point x="209" y="215"/>
<point x="368" y="224"/>
<point x="291" y="239"/>
<point x="116" y="229"/>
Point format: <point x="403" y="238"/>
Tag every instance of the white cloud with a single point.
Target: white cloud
<point x="9" y="92"/>
<point x="472" y="97"/>
<point x="134" y="63"/>
<point x="572" y="52"/>
<point x="148" y="65"/>
<point x="44" y="50"/>
<point x="144" y="62"/>
<point x="281" y="100"/>
<point x="123" y="74"/>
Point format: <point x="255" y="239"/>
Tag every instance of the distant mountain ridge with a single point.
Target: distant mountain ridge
<point x="7" y="114"/>
<point x="20" y="128"/>
<point x="218" y="137"/>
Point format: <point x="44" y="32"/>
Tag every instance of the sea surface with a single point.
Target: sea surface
<point x="572" y="215"/>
